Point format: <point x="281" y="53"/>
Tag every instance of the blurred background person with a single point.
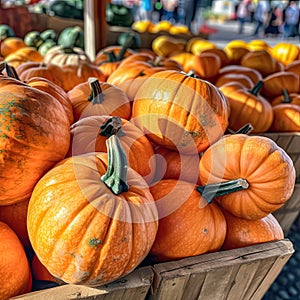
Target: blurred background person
<point x="275" y="22"/>
<point x="291" y="20"/>
<point x="261" y="16"/>
<point x="243" y="14"/>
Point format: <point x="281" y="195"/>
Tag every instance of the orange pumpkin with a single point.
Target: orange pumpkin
<point x="187" y="225"/>
<point x="221" y="53"/>
<point x="67" y="76"/>
<point x="14" y="266"/>
<point x="106" y="223"/>
<point x="23" y="55"/>
<point x="260" y="60"/>
<point x="276" y="82"/>
<point x="243" y="233"/>
<point x="174" y="165"/>
<point x="39" y="271"/>
<point x="267" y="169"/>
<point x="286" y="118"/>
<point x="10" y="45"/>
<point x="94" y="98"/>
<point x="15" y="216"/>
<point x="245" y="80"/>
<point x="248" y="106"/>
<point x="35" y="135"/>
<point x="180" y="111"/>
<point x="90" y="134"/>
<point x="56" y="91"/>
<point x="285" y="97"/>
<point x="254" y="75"/>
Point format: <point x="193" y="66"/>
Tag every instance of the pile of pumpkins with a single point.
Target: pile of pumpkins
<point x="139" y="154"/>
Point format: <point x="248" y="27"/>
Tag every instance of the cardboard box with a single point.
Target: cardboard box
<point x="244" y="273"/>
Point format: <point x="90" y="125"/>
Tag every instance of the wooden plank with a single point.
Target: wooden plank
<point x="133" y="286"/>
<point x="94" y="26"/>
<point x="232" y="264"/>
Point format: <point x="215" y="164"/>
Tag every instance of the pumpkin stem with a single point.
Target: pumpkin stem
<point x="191" y="73"/>
<point x="111" y="56"/>
<point x="157" y="61"/>
<point x="2" y="66"/>
<point x="125" y="47"/>
<point x="286" y="96"/>
<point x="68" y="50"/>
<point x="116" y="174"/>
<point x="11" y="72"/>
<point x="113" y="126"/>
<point x="254" y="91"/>
<point x="247" y="128"/>
<point x="96" y="96"/>
<point x="210" y="191"/>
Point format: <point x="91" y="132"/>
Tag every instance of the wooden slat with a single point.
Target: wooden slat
<point x="133" y="286"/>
<point x="174" y="280"/>
<point x="94" y="26"/>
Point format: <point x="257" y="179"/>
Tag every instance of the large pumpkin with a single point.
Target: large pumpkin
<point x="14" y="266"/>
<point x="180" y="111"/>
<point x="105" y="218"/>
<point x="266" y="167"/>
<point x="35" y="135"/>
<point x="90" y="135"/>
<point x="187" y="225"/>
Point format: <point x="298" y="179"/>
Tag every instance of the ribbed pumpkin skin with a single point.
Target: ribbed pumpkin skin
<point x="180" y="112"/>
<point x="14" y="267"/>
<point x="267" y="168"/>
<point x="97" y="236"/>
<point x="115" y="102"/>
<point x="56" y="91"/>
<point x="35" y="135"/>
<point x="243" y="233"/>
<point x="85" y="138"/>
<point x="188" y="226"/>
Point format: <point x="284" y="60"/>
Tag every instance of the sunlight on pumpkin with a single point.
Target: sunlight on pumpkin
<point x="293" y="117"/>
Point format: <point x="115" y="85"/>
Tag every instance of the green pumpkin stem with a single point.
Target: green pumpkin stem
<point x="113" y="126"/>
<point x="68" y="50"/>
<point x="11" y="72"/>
<point x="124" y="48"/>
<point x="210" y="191"/>
<point x="111" y="56"/>
<point x="2" y="66"/>
<point x="116" y="174"/>
<point x="286" y="96"/>
<point x="246" y="129"/>
<point x="255" y="90"/>
<point x="96" y="96"/>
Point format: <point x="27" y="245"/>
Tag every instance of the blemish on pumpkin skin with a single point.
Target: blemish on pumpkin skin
<point x="205" y="230"/>
<point x="94" y="242"/>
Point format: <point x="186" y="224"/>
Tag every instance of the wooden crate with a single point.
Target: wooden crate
<point x="244" y="273"/>
<point x="290" y="142"/>
<point x="288" y="213"/>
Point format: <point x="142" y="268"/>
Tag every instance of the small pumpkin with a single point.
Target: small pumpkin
<point x="285" y="52"/>
<point x="276" y="82"/>
<point x="188" y="226"/>
<point x="248" y="106"/>
<point x="285" y="97"/>
<point x="286" y="118"/>
<point x="95" y="98"/>
<point x="71" y="37"/>
<point x="10" y="45"/>
<point x="107" y="212"/>
<point x="242" y="233"/>
<point x="90" y="135"/>
<point x="60" y="56"/>
<point x="166" y="46"/>
<point x="267" y="169"/>
<point x="260" y="60"/>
